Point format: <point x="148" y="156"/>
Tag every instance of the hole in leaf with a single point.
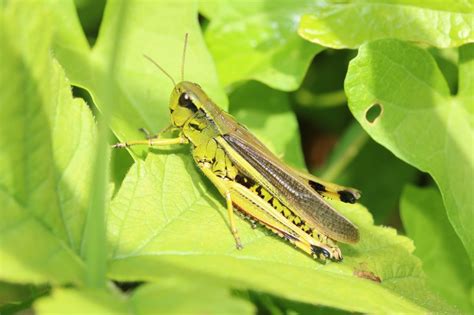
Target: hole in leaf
<point x="374" y="112"/>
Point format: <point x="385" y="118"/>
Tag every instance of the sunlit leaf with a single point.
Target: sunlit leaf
<point x="47" y="141"/>
<point x="350" y="24"/>
<point x="172" y="296"/>
<point x="419" y="121"/>
<point x="258" y="40"/>
<point x="166" y="219"/>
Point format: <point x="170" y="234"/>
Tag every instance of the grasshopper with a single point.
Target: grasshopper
<point x="252" y="179"/>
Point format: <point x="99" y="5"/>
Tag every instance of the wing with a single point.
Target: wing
<point x="326" y="189"/>
<point x="287" y="184"/>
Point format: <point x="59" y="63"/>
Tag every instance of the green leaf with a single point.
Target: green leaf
<point x="265" y="111"/>
<point x="91" y="301"/>
<point x="208" y="299"/>
<point x="420" y="122"/>
<point x="447" y="60"/>
<point x="210" y="8"/>
<point x="353" y="23"/>
<point x="466" y="80"/>
<point x="170" y="296"/>
<point x="47" y="140"/>
<point x="165" y="219"/>
<point x="94" y="240"/>
<point x="444" y="258"/>
<point x="271" y="304"/>
<point x="68" y="37"/>
<point x="126" y="86"/>
<point x="15" y="297"/>
<point x="69" y="42"/>
<point x="258" y="40"/>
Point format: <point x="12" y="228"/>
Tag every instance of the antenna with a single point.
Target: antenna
<point x="184" y="55"/>
<point x="162" y="70"/>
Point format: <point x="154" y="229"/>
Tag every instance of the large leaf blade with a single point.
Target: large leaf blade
<point x="353" y="23"/>
<point x="420" y="122"/>
<point x="208" y="299"/>
<point x="45" y="161"/>
<point x="165" y="218"/>
<point x="258" y="40"/>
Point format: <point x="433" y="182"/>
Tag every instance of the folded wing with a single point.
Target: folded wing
<point x="290" y="186"/>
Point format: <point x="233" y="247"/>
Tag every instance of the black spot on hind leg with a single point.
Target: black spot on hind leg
<point x="347" y="196"/>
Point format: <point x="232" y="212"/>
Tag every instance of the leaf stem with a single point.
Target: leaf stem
<point x="95" y="244"/>
<point x="347" y="149"/>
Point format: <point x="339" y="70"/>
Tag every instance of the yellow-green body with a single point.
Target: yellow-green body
<point x="254" y="181"/>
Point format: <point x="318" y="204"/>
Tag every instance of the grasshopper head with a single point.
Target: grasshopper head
<point x="186" y="99"/>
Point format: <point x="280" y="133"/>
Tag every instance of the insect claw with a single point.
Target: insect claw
<point x="119" y="145"/>
<point x="238" y="244"/>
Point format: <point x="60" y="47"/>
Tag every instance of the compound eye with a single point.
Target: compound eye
<point x="185" y="101"/>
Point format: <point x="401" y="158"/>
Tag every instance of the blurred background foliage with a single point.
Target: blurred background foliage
<point x="301" y="75"/>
